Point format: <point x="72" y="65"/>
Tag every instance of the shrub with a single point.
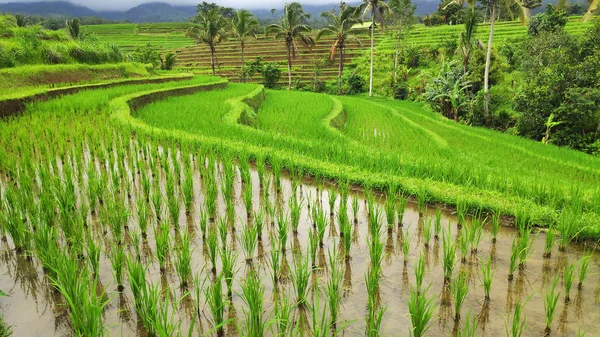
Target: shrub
<point x="401" y="91"/>
<point x="552" y="20"/>
<point x="146" y="54"/>
<point x="167" y="62"/>
<point x="271" y="75"/>
<point x="354" y="84"/>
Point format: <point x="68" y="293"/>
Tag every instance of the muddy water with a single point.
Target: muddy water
<point x="33" y="308"/>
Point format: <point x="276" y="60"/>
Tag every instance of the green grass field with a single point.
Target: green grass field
<point x="149" y="206"/>
<point x="386" y="141"/>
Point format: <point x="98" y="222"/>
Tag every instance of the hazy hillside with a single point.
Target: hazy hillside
<point x="159" y="11"/>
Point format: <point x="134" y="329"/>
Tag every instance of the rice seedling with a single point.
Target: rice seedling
<point x="157" y="203"/>
<point x="188" y="191"/>
<point x="487" y="275"/>
<point x="422" y="199"/>
<point x="275" y="254"/>
<point x="347" y="240"/>
<point x="469" y="326"/>
<point x="321" y="224"/>
<point x="461" y="213"/>
<point x="514" y="256"/>
<point x="282" y="231"/>
<point x="313" y="245"/>
<point x="420" y="272"/>
<point x="402" y="201"/>
<point x="464" y="243"/>
<point x="295" y="209"/>
<point x="300" y="278"/>
<point x="183" y="259"/>
<point x="223" y="228"/>
<point x="437" y="225"/>
<point x="331" y="198"/>
<point x="421" y="311"/>
<point x="549" y="241"/>
<point x="568" y="279"/>
<point x="459" y="289"/>
<point x="476" y="234"/>
<point x="406" y="246"/>
<point x="518" y="324"/>
<point x="584" y="265"/>
<point x="283" y="311"/>
<point x="93" y="255"/>
<point x="568" y="227"/>
<point x="249" y="241"/>
<point x="136" y="274"/>
<point x="143" y="216"/>
<point x="259" y="220"/>
<point x="214" y="299"/>
<point x="376" y="249"/>
<point x="117" y="260"/>
<point x="427" y="233"/>
<point x="334" y="286"/>
<point x="247" y="197"/>
<point x="203" y="222"/>
<point x="213" y="246"/>
<point x="525" y="242"/>
<point x="355" y="209"/>
<point x="252" y="294"/>
<point x="550" y="302"/>
<point x="390" y="207"/>
<point x="163" y="243"/>
<point x="374" y="322"/>
<point x="448" y="255"/>
<point x="495" y="226"/>
<point x="375" y="221"/>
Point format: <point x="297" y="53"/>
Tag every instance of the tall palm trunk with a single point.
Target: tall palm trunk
<point x="488" y="61"/>
<point x="243" y="63"/>
<point x="289" y="58"/>
<point x="341" y="69"/>
<point x="212" y="59"/>
<point x="372" y="46"/>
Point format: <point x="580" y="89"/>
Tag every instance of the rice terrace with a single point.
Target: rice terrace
<point x="376" y="168"/>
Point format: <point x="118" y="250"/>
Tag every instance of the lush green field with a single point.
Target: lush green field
<point x="147" y="217"/>
<point x="403" y="143"/>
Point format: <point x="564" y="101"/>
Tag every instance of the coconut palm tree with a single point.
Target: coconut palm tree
<point x="244" y="25"/>
<point x="377" y="9"/>
<point x="292" y="28"/>
<point x="467" y="37"/>
<point x="340" y="27"/>
<point x="209" y="28"/>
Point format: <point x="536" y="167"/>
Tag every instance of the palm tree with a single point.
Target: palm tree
<point x="594" y="5"/>
<point x="340" y="28"/>
<point x="244" y="24"/>
<point x="466" y="37"/>
<point x="291" y="28"/>
<point x="209" y="28"/>
<point x="377" y="9"/>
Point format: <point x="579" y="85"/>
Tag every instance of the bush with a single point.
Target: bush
<point x="146" y="54"/>
<point x="552" y="20"/>
<point x="167" y="62"/>
<point x="401" y="91"/>
<point x="52" y="56"/>
<point x="271" y="74"/>
<point x="354" y="84"/>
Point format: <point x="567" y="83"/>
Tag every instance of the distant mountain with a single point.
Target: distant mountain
<point x="161" y="11"/>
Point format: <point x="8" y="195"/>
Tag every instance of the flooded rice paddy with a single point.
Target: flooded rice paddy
<point x="35" y="308"/>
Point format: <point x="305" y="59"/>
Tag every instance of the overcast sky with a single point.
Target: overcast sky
<point x="126" y="4"/>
